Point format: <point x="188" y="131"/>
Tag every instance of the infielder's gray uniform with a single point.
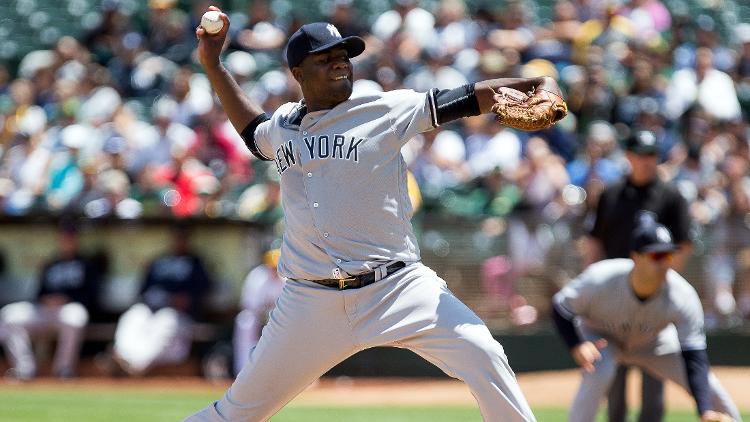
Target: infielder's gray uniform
<point x="346" y="209"/>
<point x="649" y="334"/>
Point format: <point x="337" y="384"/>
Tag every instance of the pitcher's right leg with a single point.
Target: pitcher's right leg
<point x="307" y="334"/>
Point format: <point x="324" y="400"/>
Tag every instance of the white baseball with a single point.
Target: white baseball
<point x="211" y="22"/>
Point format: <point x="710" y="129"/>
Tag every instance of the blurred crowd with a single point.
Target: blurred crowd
<point x="120" y="122"/>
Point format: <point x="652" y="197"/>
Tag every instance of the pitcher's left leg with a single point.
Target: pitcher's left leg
<point x="468" y="351"/>
<point x="421" y="314"/>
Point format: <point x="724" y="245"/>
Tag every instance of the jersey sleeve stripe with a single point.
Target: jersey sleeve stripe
<point x="433" y="107"/>
<point x="248" y="135"/>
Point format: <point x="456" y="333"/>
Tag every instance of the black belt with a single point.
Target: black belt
<point x="360" y="280"/>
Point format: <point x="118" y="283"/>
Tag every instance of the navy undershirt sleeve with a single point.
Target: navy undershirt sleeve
<point x="566" y="328"/>
<point x="248" y="135"/>
<point x="456" y="103"/>
<point x="696" y="364"/>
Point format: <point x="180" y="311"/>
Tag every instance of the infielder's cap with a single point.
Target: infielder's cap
<point x="642" y="142"/>
<point x="650" y="236"/>
<point x="318" y="37"/>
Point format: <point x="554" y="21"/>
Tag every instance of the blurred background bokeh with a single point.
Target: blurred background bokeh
<point x="107" y="119"/>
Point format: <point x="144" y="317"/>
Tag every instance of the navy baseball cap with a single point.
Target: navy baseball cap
<point x="642" y="142"/>
<point x="650" y="236"/>
<point x="318" y="37"/>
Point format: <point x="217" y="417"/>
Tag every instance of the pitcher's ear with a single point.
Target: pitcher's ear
<point x="297" y="73"/>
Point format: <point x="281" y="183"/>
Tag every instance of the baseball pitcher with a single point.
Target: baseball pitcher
<point x="350" y="257"/>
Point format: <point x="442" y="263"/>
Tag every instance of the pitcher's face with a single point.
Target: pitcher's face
<point x="326" y="78"/>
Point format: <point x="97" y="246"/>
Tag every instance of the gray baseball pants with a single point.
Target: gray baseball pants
<point x="313" y="328"/>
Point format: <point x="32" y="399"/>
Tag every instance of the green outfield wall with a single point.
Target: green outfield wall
<point x="456" y="250"/>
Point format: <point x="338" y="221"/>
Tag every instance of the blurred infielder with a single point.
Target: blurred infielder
<point x="637" y="311"/>
<point x="354" y="277"/>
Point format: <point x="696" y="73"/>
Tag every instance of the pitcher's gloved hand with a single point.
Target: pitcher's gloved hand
<point x="536" y="111"/>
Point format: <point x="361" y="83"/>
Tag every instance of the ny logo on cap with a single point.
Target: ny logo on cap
<point x="332" y="29"/>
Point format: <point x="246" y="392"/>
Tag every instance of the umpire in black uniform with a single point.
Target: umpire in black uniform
<point x="614" y="220"/>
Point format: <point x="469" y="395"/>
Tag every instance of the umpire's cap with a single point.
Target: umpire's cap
<point x="642" y="142"/>
<point x="318" y="37"/>
<point x="650" y="236"/>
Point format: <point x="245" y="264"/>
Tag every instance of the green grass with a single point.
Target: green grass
<point x="94" y="406"/>
<point x="108" y="405"/>
<point x="372" y="414"/>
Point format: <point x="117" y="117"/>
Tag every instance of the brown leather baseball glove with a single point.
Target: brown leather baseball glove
<point x="536" y="111"/>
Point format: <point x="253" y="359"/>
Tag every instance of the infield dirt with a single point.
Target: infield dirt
<point x="542" y="389"/>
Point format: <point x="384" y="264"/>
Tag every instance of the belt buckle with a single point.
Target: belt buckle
<point x="342" y="282"/>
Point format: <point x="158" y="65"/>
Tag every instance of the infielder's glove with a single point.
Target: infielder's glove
<point x="536" y="111"/>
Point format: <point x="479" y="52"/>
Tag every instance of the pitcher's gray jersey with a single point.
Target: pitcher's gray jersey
<point x="604" y="301"/>
<point x="343" y="182"/>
